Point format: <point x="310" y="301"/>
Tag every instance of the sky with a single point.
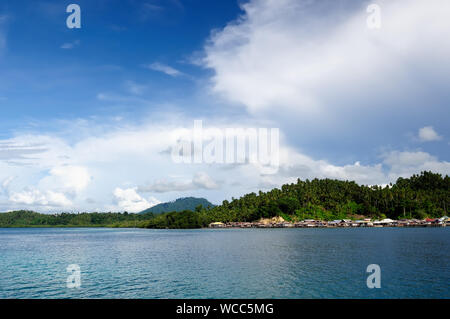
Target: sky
<point x="90" y="116"/>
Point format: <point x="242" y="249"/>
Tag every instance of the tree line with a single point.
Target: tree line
<point x="25" y="218"/>
<point x="420" y="196"/>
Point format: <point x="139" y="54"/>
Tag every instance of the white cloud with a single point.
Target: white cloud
<point x="6" y="182"/>
<point x="33" y="197"/>
<point x="72" y="179"/>
<point x="54" y="191"/>
<point x="428" y="134"/>
<point x="408" y="163"/>
<point x="393" y="165"/>
<point x="35" y="149"/>
<point x="203" y="180"/>
<point x="14" y="149"/>
<point x="295" y="165"/>
<point x="166" y="69"/>
<point x="129" y="200"/>
<point x="302" y="56"/>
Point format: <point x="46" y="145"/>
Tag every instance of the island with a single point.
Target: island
<point x="419" y="201"/>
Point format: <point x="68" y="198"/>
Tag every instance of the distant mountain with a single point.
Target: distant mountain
<point x="181" y="204"/>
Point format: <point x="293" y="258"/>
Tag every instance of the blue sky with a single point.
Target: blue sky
<point x="117" y="38"/>
<point x="88" y="114"/>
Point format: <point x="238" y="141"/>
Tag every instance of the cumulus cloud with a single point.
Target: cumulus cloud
<point x="304" y="56"/>
<point x="392" y="165"/>
<point x="53" y="163"/>
<point x="409" y="163"/>
<point x="164" y="68"/>
<point x="32" y="197"/>
<point x="55" y="190"/>
<point x="129" y="200"/>
<point x="294" y="164"/>
<point x="71" y="179"/>
<point x="428" y="134"/>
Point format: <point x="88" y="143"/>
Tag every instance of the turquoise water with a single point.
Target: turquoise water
<point x="232" y="263"/>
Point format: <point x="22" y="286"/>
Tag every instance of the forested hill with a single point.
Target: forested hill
<point x="179" y="205"/>
<point x="420" y="196"/>
<point x="427" y="194"/>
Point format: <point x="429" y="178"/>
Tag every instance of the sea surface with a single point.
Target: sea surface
<point x="229" y="263"/>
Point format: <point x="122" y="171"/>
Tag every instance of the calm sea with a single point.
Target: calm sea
<point x="236" y="263"/>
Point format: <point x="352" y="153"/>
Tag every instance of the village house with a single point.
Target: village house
<point x="387" y="222"/>
<point x="312" y="223"/>
<point x="217" y="225"/>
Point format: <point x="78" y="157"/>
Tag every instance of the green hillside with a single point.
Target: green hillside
<point x="179" y="205"/>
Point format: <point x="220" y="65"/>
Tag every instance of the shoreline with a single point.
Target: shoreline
<point x="228" y="227"/>
<point x="275" y="222"/>
<point x="343" y="223"/>
<point x="323" y="227"/>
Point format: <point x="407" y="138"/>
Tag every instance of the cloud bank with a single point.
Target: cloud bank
<point x="307" y="57"/>
<point x="114" y="168"/>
